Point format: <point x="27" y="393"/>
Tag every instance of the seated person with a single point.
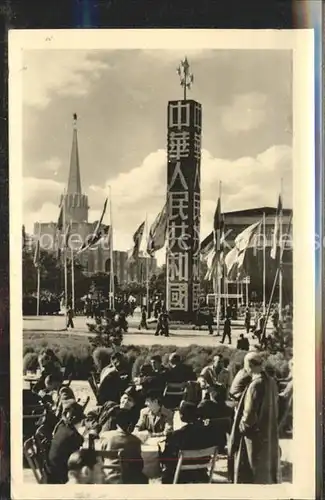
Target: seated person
<point x="104" y="419"/>
<point x="49" y="365"/>
<point x="122" y="440"/>
<point x="153" y="376"/>
<point x="114" y="378"/>
<point x="66" y="440"/>
<point x="216" y="373"/>
<point x="178" y="371"/>
<point x="54" y="393"/>
<point x="243" y="343"/>
<point x="192" y="436"/>
<point x="85" y="467"/>
<point x="155" y="418"/>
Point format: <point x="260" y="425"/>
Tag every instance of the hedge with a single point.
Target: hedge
<point x="75" y="352"/>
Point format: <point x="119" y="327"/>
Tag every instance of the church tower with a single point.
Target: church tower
<point x="76" y="202"/>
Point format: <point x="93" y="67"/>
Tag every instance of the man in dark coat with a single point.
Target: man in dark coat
<point x="243" y="343"/>
<point x="247" y="320"/>
<point x="193" y="436"/>
<point x="66" y="440"/>
<point x="226" y="330"/>
<point x="114" y="379"/>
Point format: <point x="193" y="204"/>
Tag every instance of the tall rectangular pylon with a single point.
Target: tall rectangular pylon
<point x="184" y="201"/>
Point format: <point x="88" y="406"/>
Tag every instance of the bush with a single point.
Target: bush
<point x="30" y="362"/>
<point x="78" y="355"/>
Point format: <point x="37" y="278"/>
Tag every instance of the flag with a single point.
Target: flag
<point x="206" y="245"/>
<point x="37" y="254"/>
<point x="214" y="262"/>
<point x="218" y="224"/>
<point x="157" y="232"/>
<point x="100" y="232"/>
<point x="276" y="235"/>
<point x="235" y="258"/>
<point x="133" y="253"/>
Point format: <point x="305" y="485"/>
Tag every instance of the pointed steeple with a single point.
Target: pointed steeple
<point x="74" y="183"/>
<point x="76" y="203"/>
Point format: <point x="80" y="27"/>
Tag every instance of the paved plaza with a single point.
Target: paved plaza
<point x="180" y="335"/>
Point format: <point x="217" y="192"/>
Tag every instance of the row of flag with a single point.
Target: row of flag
<point x="155" y="239"/>
<point x="101" y="232"/>
<point x="213" y="251"/>
<point x="232" y="264"/>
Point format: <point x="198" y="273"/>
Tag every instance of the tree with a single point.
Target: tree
<point x="157" y="282"/>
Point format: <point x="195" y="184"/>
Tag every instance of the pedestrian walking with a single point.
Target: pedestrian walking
<point x="143" y="321"/>
<point x="226" y="330"/>
<point x="70" y="316"/>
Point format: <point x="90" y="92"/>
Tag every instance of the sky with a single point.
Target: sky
<point x="121" y="99"/>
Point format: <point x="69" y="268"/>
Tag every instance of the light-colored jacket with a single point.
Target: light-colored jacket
<point x="156" y="424"/>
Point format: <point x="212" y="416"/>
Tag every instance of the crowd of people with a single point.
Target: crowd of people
<point x="240" y="416"/>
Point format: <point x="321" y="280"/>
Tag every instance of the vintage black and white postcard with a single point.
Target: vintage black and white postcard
<point x="162" y="264"/>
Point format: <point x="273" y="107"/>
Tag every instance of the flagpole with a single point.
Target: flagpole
<point x="280" y="262"/>
<point x="65" y="262"/>
<point x="72" y="280"/>
<point x="111" y="284"/>
<point x="246" y="288"/>
<point x="147" y="265"/>
<point x="218" y="276"/>
<point x="237" y="293"/>
<point x="38" y="273"/>
<point x="277" y="274"/>
<point x="264" y="265"/>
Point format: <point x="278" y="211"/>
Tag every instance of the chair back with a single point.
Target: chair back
<point x="83" y="403"/>
<point x="174" y="389"/>
<point x="195" y="460"/>
<point x="43" y="439"/>
<point x="93" y="386"/>
<point x="34" y="460"/>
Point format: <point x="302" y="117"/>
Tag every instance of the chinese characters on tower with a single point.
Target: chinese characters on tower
<point x="183" y="197"/>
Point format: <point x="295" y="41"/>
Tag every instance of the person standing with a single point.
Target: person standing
<point x="254" y="439"/>
<point x="247" y="320"/>
<point x="162" y="324"/>
<point x="70" y="316"/>
<point x="226" y="330"/>
<point x="143" y="321"/>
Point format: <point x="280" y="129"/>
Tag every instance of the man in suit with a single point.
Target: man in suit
<point x="123" y="463"/>
<point x="179" y="372"/>
<point x="243" y="343"/>
<point x="66" y="440"/>
<point x="226" y="330"/>
<point x="192" y="436"/>
<point x="114" y="379"/>
<point x="155" y="418"/>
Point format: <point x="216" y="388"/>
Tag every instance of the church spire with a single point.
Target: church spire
<point x="74" y="183"/>
<point x="76" y="203"/>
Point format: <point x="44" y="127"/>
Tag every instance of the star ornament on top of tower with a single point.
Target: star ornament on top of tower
<point x="75" y="118"/>
<point x="186" y="77"/>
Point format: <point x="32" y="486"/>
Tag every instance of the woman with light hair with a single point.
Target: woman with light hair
<point x="254" y="442"/>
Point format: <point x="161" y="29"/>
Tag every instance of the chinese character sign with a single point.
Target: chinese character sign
<point x="184" y="200"/>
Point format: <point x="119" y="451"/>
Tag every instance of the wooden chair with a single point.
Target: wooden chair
<point x="200" y="458"/>
<point x="173" y="394"/>
<point x="83" y="403"/>
<point x="34" y="460"/>
<point x="93" y="385"/>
